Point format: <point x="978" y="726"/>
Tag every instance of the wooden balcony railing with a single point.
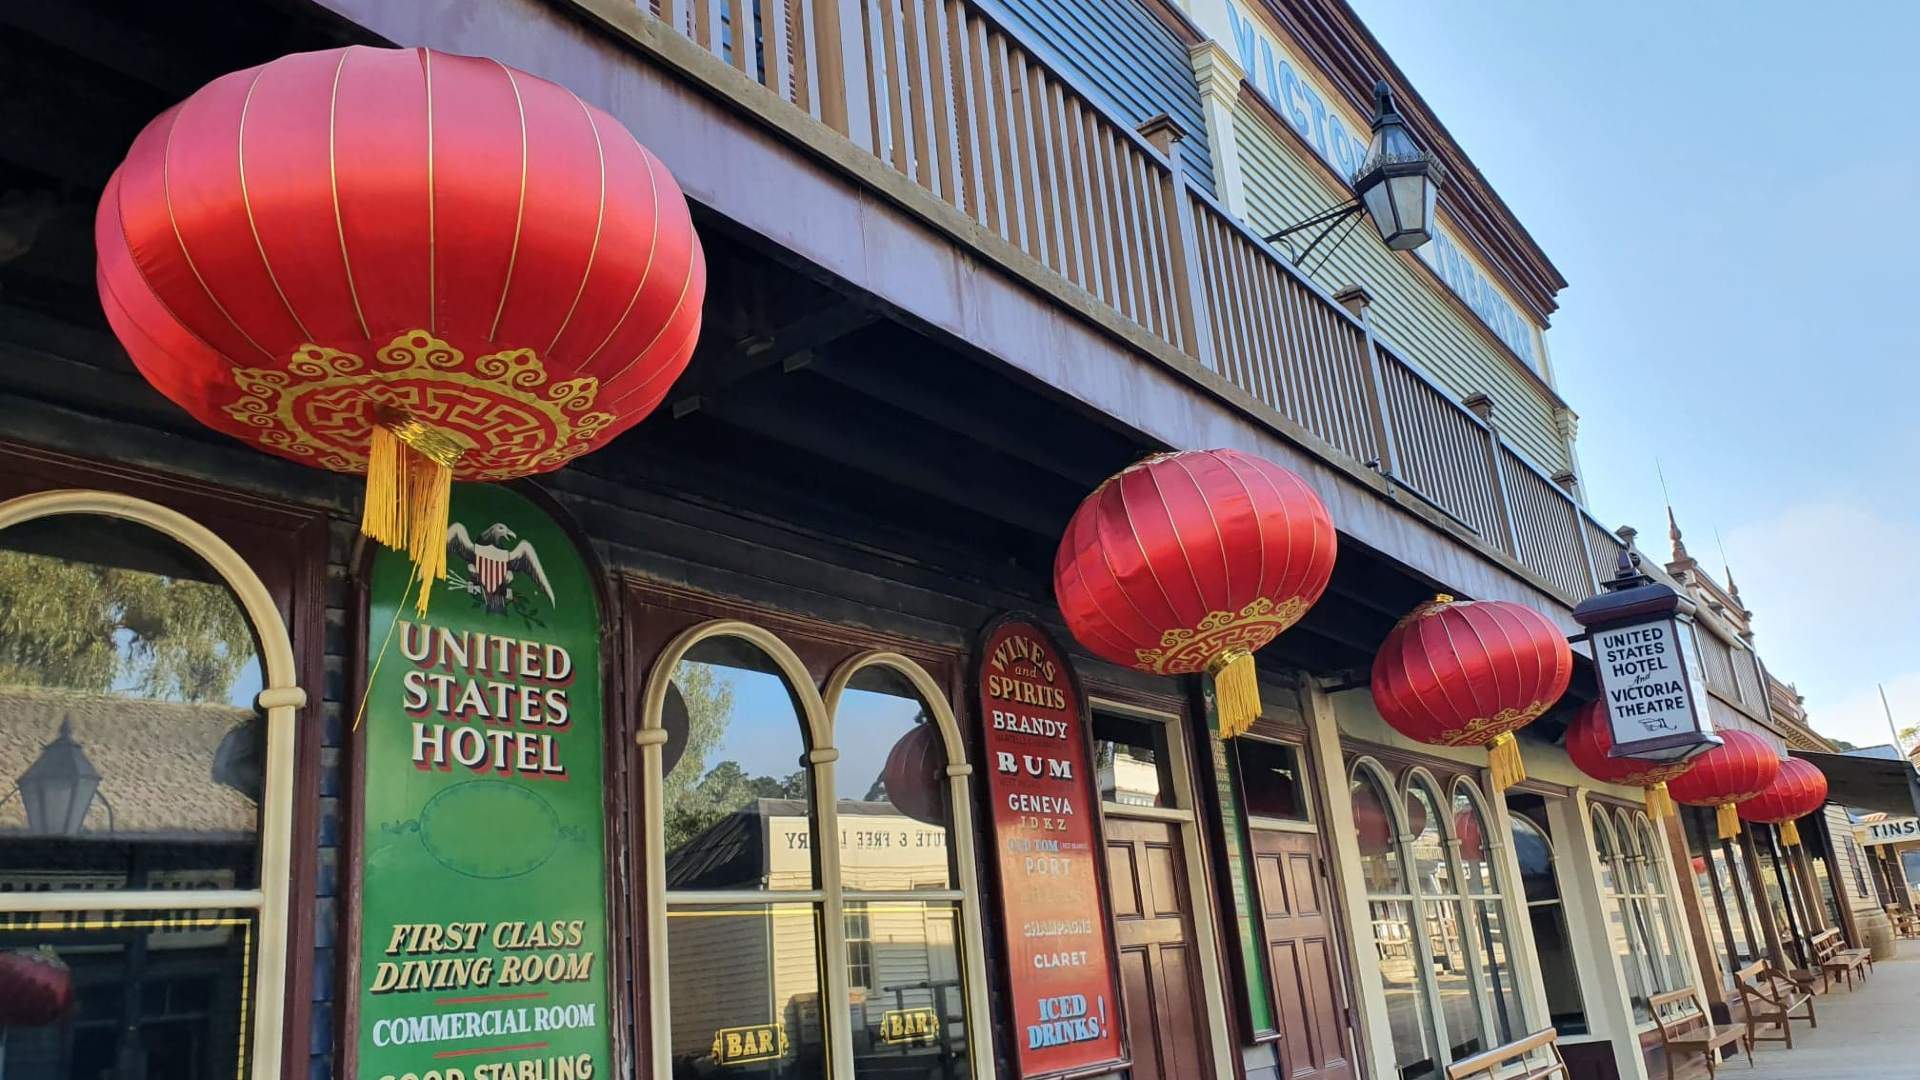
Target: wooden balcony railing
<point x="949" y="99"/>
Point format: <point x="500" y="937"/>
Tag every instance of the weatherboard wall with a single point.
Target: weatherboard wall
<point x="1122" y="57"/>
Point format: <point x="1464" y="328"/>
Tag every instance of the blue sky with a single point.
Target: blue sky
<point x="1728" y="188"/>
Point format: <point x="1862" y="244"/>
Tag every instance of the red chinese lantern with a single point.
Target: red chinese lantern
<point x="1590" y="741"/>
<point x="35" y="988"/>
<point x="1469" y="673"/>
<point x="411" y="264"/>
<point x="1742" y="767"/>
<point x="1799" y="790"/>
<point x="1466" y="826"/>
<point x="1190" y="562"/>
<point x="1375" y="827"/>
<point x="915" y="775"/>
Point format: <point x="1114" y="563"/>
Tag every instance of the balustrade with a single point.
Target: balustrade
<point x="947" y="98"/>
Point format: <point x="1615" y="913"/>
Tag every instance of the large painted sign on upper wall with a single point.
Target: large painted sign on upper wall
<point x="1339" y="137"/>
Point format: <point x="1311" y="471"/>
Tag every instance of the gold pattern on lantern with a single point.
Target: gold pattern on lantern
<point x="1483" y="729"/>
<point x="500" y="412"/>
<point x="1189" y="650"/>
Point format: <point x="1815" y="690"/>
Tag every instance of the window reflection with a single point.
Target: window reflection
<point x="735" y="798"/>
<point x="130" y="750"/>
<point x="1130" y="756"/>
<point x="908" y="1009"/>
<point x="161" y="996"/>
<point x="745" y="987"/>
<point x="891" y="787"/>
<point x="1390" y="910"/>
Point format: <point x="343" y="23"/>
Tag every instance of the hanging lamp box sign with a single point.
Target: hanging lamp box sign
<point x="1652" y="686"/>
<point x="1647" y="663"/>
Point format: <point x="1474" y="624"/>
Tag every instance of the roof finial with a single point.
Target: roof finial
<point x="1673" y="534"/>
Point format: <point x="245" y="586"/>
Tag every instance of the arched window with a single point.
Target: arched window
<point x="1487" y="898"/>
<point x="907" y="917"/>
<point x="737" y="833"/>
<point x="146" y="711"/>
<point x="1437" y="882"/>
<point x="1390" y="907"/>
<point x="1640" y="917"/>
<point x="815" y="923"/>
<point x="1441" y="918"/>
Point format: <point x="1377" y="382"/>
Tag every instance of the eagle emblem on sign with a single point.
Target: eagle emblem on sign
<point x="491" y="564"/>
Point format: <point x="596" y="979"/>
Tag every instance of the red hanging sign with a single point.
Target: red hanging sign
<point x="1046" y="831"/>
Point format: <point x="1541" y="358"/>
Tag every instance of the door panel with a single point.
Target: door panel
<point x="1309" y="993"/>
<point x="1159" y="976"/>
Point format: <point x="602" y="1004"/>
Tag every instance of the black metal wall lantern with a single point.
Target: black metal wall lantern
<point x="1652" y="684"/>
<point x="60" y="787"/>
<point x="1396" y="188"/>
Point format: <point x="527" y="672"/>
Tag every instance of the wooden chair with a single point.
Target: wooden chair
<point x="1488" y="1063"/>
<point x="1834" y="958"/>
<point x="1768" y="997"/>
<point x="1677" y="1034"/>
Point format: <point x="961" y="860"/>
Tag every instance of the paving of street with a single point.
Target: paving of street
<point x="1872" y="1033"/>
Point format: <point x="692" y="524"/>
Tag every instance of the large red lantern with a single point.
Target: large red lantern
<point x="411" y="264"/>
<point x="1743" y="766"/>
<point x="1799" y="790"/>
<point x="1590" y="744"/>
<point x="36" y="988"/>
<point x="1469" y="673"/>
<point x="1190" y="562"/>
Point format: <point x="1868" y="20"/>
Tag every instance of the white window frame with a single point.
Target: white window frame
<point x="828" y="897"/>
<point x="1641" y="894"/>
<point x="279" y="700"/>
<point x="1416" y="897"/>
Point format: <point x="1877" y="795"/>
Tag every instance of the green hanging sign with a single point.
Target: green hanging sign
<point x="484" y="938"/>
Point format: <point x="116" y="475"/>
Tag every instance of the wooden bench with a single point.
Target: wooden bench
<point x="1768" y="997"/>
<point x="1905" y="923"/>
<point x="1835" y="958"/>
<point x="1677" y="1034"/>
<point x="1489" y="1063"/>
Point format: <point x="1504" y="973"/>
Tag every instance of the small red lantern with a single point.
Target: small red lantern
<point x="36" y="988"/>
<point x="1799" y="790"/>
<point x="915" y="775"/>
<point x="1589" y="744"/>
<point x="1469" y="673"/>
<point x="410" y="264"/>
<point x="1190" y="562"/>
<point x="1466" y="827"/>
<point x="1742" y="767"/>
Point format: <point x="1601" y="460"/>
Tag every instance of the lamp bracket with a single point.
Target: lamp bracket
<point x="1327" y="220"/>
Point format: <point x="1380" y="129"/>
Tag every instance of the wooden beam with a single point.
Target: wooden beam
<point x="790" y="347"/>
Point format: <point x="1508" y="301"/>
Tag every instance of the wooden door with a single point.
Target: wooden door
<point x="1303" y="956"/>
<point x="1167" y="1021"/>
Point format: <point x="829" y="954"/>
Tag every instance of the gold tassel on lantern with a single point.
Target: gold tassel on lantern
<point x="409" y="484"/>
<point x="1659" y="803"/>
<point x="1504" y="761"/>
<point x="1790" y="834"/>
<point x="1728" y="818"/>
<point x="1236" y="691"/>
